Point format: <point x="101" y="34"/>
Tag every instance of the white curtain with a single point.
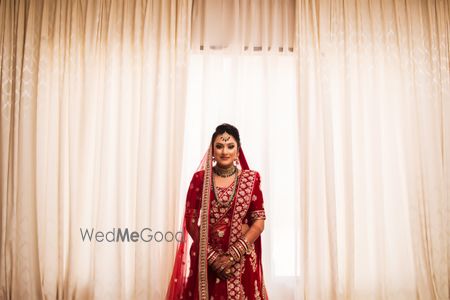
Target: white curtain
<point x="343" y="107"/>
<point x="92" y="120"/>
<point x="232" y="26"/>
<point x="357" y="181"/>
<point x="374" y="128"/>
<point x="256" y="93"/>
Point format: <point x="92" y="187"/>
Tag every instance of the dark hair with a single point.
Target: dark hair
<point x="230" y="129"/>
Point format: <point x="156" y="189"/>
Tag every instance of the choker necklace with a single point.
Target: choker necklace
<point x="225" y="172"/>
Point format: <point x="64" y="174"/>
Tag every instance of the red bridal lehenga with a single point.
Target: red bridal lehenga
<point x="208" y="224"/>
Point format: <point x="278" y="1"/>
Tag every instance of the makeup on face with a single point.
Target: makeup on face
<point x="225" y="150"/>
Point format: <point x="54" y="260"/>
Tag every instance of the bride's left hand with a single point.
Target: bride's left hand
<point x="244" y="229"/>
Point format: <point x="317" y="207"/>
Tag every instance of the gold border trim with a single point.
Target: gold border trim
<point x="204" y="224"/>
<point x="245" y="203"/>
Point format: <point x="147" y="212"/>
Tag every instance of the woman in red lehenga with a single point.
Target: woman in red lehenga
<point x="220" y="256"/>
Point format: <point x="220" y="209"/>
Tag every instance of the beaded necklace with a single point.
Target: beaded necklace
<point x="228" y="202"/>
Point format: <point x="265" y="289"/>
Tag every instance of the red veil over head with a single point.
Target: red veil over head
<point x="187" y="271"/>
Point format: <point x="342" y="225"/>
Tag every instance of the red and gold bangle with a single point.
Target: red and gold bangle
<point x="244" y="244"/>
<point x="234" y="253"/>
<point x="212" y="256"/>
<point x="238" y="249"/>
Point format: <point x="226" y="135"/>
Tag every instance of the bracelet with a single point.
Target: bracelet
<point x="245" y="244"/>
<point x="212" y="256"/>
<point x="239" y="249"/>
<point x="234" y="253"/>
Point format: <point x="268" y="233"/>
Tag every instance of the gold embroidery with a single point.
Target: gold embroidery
<point x="242" y="200"/>
<point x="192" y="212"/>
<point x="191" y="215"/>
<point x="253" y="258"/>
<point x="204" y="223"/>
<point x="264" y="291"/>
<point x="257" y="215"/>
<point x="257" y="294"/>
<point x="217" y="212"/>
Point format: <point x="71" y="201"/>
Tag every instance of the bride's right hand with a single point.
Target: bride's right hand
<point x="222" y="263"/>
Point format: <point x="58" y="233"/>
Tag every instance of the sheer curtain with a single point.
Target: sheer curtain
<point x="92" y="120"/>
<point x="242" y="70"/>
<point x="233" y="26"/>
<point x="357" y="180"/>
<point x="373" y="82"/>
<point x="258" y="95"/>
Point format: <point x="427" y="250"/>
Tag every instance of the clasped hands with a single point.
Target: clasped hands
<point x="222" y="266"/>
<point x="222" y="263"/>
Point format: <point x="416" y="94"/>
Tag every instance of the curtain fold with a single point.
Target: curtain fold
<point x="92" y="124"/>
<point x="373" y="81"/>
<point x="243" y="25"/>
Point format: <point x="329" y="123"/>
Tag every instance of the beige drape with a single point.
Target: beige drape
<point x="343" y="107"/>
<point x="92" y="115"/>
<point x="374" y="116"/>
<point x="243" y="25"/>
